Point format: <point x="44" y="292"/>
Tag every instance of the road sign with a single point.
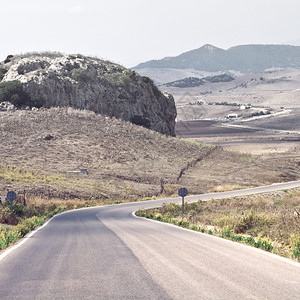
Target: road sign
<point x="11" y="196"/>
<point x="182" y="192"/>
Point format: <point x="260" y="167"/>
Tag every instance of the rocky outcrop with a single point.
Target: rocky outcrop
<point x="93" y="84"/>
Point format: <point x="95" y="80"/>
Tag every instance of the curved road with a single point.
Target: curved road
<point x="107" y="253"/>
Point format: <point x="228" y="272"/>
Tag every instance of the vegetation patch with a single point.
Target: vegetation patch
<point x="13" y="174"/>
<point x="256" y="220"/>
<point x="13" y="92"/>
<point x="219" y="78"/>
<point x="81" y="75"/>
<point x="2" y="73"/>
<point x="186" y="82"/>
<point x="120" y="79"/>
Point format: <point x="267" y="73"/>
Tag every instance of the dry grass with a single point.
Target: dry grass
<point x="271" y="217"/>
<point x="123" y="160"/>
<point x="223" y="188"/>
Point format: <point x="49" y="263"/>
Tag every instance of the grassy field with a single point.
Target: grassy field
<point x="124" y="161"/>
<point x="270" y="221"/>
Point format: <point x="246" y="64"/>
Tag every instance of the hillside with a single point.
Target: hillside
<point x="54" y="79"/>
<point x="41" y="151"/>
<point x="243" y="59"/>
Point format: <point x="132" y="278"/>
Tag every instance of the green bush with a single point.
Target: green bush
<point x="10" y="235"/>
<point x="183" y="223"/>
<point x="2" y="73"/>
<point x="158" y="216"/>
<point x="81" y="75"/>
<point x="295" y="243"/>
<point x="13" y="92"/>
<point x="250" y="221"/>
<point x="37" y="101"/>
<point x="264" y="244"/>
<point x="224" y="221"/>
<point x="19" y="209"/>
<point x="226" y="233"/>
<point x="120" y="79"/>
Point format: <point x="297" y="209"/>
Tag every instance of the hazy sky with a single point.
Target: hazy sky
<point x="133" y="31"/>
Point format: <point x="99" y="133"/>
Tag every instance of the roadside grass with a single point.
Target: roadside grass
<point x="269" y="221"/>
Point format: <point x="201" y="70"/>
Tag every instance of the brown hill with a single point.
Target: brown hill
<point x="40" y="148"/>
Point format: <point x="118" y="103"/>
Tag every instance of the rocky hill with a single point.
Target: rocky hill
<point x="54" y="79"/>
<point x="243" y="59"/>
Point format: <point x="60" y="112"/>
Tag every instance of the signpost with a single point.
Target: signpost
<point x="11" y="196"/>
<point x="182" y="192"/>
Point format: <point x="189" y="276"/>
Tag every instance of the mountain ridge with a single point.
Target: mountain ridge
<point x="250" y="58"/>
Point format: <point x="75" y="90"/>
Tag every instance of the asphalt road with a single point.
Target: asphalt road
<point x="107" y="253"/>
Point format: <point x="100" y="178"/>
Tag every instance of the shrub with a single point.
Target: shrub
<point x="158" y="216"/>
<point x="2" y="73"/>
<point x="195" y="228"/>
<point x="172" y="208"/>
<point x="250" y="240"/>
<point x="224" y="221"/>
<point x="251" y="220"/>
<point x="81" y="75"/>
<point x="295" y="243"/>
<point x="10" y="235"/>
<point x="183" y="223"/>
<point x="264" y="243"/>
<point x="226" y="233"/>
<point x="120" y="79"/>
<point x="13" y="92"/>
<point x="37" y="101"/>
<point x="19" y="209"/>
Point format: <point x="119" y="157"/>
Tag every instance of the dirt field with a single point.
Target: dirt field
<point x="274" y="91"/>
<point x="267" y="89"/>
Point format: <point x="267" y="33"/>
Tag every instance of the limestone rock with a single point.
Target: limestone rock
<point x="94" y="84"/>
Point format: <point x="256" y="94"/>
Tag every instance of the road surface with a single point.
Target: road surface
<point x="107" y="253"/>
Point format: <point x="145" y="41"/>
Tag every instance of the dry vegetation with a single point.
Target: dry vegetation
<point x="123" y="160"/>
<point x="270" y="221"/>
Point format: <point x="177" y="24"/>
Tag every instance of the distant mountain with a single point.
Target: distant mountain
<point x="244" y="59"/>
